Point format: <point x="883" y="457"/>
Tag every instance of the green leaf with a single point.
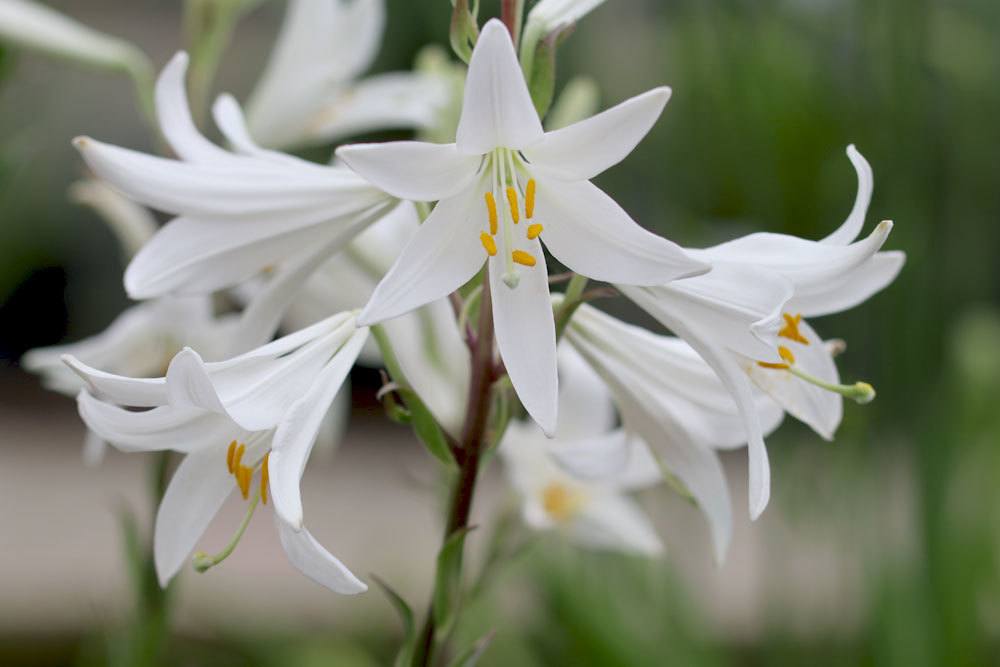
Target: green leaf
<point x="542" y="78"/>
<point x="405" y="655"/>
<point x="427" y="428"/>
<point x="448" y="581"/>
<point x="470" y="657"/>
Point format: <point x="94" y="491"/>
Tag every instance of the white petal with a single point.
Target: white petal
<point x="526" y="338"/>
<point x="94" y="449"/>
<point x="616" y="522"/>
<point x="158" y="429"/>
<point x="497" y="110"/>
<point x="822" y="410"/>
<point x="737" y="306"/>
<point x="382" y="102"/>
<point x="428" y="345"/>
<point x="414" y="170"/>
<point x="174" y="116"/>
<point x="856" y="287"/>
<point x="590" y="233"/>
<point x="195" y="493"/>
<point x="851" y="227"/>
<point x="229" y="118"/>
<point x="296" y="434"/>
<point x="585" y="149"/>
<point x="551" y="14"/>
<point x="311" y="559"/>
<point x="585" y="406"/>
<point x="442" y="256"/>
<point x="135" y="392"/>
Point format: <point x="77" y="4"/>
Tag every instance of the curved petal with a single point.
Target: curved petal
<point x="444" y="253"/>
<point x="618" y="523"/>
<point x="174" y="116"/>
<point x="296" y="434"/>
<point x="133" y="225"/>
<point x="851" y="227"/>
<point x="585" y="406"/>
<point x="310" y="558"/>
<point x="585" y="149"/>
<point x="94" y="449"/>
<point x="822" y="410"/>
<point x="158" y="429"/>
<point x="526" y="338"/>
<point x="856" y="287"/>
<point x="414" y="170"/>
<point x="586" y="230"/>
<point x="135" y="392"/>
<point x="497" y="110"/>
<point x="197" y="490"/>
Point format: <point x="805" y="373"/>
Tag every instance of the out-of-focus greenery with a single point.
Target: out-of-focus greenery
<point x="767" y="94"/>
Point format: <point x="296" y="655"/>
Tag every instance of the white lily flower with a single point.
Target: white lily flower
<point x="744" y="318"/>
<point x="35" y="26"/>
<point x="673" y="401"/>
<point x="593" y="512"/>
<point x="501" y="159"/>
<point x="241" y="422"/>
<point x="238" y="212"/>
<point x="549" y="15"/>
<point x="309" y="93"/>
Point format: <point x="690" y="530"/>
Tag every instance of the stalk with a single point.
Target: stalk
<point x="471" y="448"/>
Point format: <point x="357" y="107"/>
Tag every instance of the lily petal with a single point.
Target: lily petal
<point x="526" y="338"/>
<point x="310" y="558"/>
<point x="585" y="404"/>
<point x="616" y="522"/>
<point x="174" y="115"/>
<point x="590" y="233"/>
<point x="849" y="231"/>
<point x="414" y="170"/>
<point x="585" y="149"/>
<point x="856" y="287"/>
<point x="197" y="490"/>
<point x="444" y="253"/>
<point x="296" y="433"/>
<point x="497" y="110"/>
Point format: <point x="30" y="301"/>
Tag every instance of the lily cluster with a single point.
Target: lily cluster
<point x="419" y="241"/>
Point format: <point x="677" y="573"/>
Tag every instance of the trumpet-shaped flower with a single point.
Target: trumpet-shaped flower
<point x="592" y="511"/>
<point x="238" y="213"/>
<point x="308" y="92"/>
<point x="672" y="400"/>
<point x="247" y="424"/>
<point x="504" y="187"/>
<point x="745" y="318"/>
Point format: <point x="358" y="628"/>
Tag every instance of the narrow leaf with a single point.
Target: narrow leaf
<point x="405" y="655"/>
<point x="448" y="582"/>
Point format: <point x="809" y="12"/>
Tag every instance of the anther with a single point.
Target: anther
<point x="791" y="329"/>
<point x="229" y="456"/>
<point x="785" y="354"/>
<point x="238" y="456"/>
<point x="265" y="478"/>
<point x="523" y="258"/>
<point x="534" y="230"/>
<point x="243" y="480"/>
<point x="488" y="243"/>
<point x="529" y="200"/>
<point x="491" y="208"/>
<point x="515" y="214"/>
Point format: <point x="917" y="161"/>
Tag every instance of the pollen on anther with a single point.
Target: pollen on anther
<point x="243" y="475"/>
<point x="491" y="208"/>
<point x="488" y="243"/>
<point x="265" y="478"/>
<point x="238" y="456"/>
<point x="515" y="214"/>
<point x="523" y="258"/>
<point x="791" y="329"/>
<point x="785" y="354"/>
<point x="230" y="453"/>
<point x="534" y="230"/>
<point x="529" y="199"/>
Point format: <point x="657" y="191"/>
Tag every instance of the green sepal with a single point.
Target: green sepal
<point x="404" y="658"/>
<point x="448" y="582"/>
<point x="464" y="30"/>
<point x="542" y="78"/>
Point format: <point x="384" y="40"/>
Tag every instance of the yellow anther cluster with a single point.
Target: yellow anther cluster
<point x="522" y="257"/>
<point x="560" y="502"/>
<point x="791" y="329"/>
<point x="244" y="474"/>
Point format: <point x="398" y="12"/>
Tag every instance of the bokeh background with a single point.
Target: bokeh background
<point x="882" y="548"/>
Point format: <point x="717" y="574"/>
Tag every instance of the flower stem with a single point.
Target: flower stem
<point x="571" y="301"/>
<point x="471" y="447"/>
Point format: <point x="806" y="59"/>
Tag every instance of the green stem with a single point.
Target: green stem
<point x="202" y="561"/>
<point x="571" y="301"/>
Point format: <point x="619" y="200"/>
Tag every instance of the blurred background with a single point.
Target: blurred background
<point x="882" y="548"/>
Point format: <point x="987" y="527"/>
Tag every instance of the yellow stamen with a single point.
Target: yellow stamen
<point x="238" y="456"/>
<point x="512" y="200"/>
<point x="491" y="207"/>
<point x="791" y="329"/>
<point x="243" y="475"/>
<point x="488" y="243"/>
<point x="785" y="354"/>
<point x="229" y="456"/>
<point x="265" y="478"/>
<point x="529" y="199"/>
<point x="560" y="502"/>
<point x="523" y="258"/>
<point x="534" y="230"/>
